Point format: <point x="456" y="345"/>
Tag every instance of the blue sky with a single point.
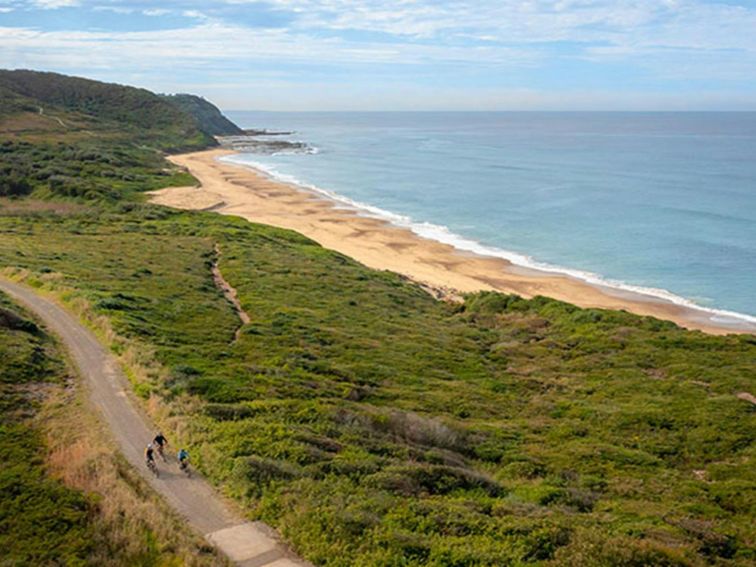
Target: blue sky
<point x="401" y="54"/>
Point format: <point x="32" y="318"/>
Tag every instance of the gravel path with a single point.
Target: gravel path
<point x="248" y="544"/>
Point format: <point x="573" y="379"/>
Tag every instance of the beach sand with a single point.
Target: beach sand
<point x="237" y="190"/>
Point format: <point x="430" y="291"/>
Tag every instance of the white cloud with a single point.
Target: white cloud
<point x="627" y="24"/>
<point x="652" y="22"/>
<point x="114" y="9"/>
<point x="156" y="12"/>
<point x="661" y="40"/>
<point x="507" y="33"/>
<point x="210" y="42"/>
<point x="196" y="14"/>
<point x="55" y="4"/>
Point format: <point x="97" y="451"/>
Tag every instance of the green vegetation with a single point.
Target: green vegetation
<point x="41" y="520"/>
<point x="65" y="496"/>
<point x="83" y="170"/>
<point x="92" y="108"/>
<point x="57" y="473"/>
<point x="69" y="137"/>
<point x="376" y="426"/>
<point x="208" y="116"/>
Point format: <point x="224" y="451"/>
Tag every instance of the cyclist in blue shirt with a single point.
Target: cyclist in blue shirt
<point x="183" y="459"/>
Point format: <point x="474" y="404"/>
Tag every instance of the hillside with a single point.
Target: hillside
<point x="499" y="431"/>
<point x="209" y="118"/>
<point x="72" y="137"/>
<point x="108" y="106"/>
<point x="372" y="424"/>
<point x="65" y="496"/>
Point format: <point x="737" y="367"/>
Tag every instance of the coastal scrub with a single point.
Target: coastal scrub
<point x="371" y="423"/>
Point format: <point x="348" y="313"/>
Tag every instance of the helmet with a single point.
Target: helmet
<point x="149" y="445"/>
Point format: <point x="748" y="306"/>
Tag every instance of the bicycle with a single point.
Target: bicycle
<point x="153" y="468"/>
<point x="161" y="452"/>
<point x="184" y="466"/>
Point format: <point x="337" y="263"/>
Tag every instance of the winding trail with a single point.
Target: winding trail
<point x="247" y="544"/>
<point x="229" y="293"/>
<point x="42" y="113"/>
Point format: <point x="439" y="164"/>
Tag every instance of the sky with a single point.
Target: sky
<point x="401" y="54"/>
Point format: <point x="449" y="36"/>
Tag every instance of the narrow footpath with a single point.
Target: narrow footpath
<point x="247" y="544"/>
<point x="229" y="293"/>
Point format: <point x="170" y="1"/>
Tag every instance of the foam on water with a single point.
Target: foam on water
<point x="444" y="235"/>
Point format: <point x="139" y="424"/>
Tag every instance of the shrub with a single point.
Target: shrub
<point x="260" y="472"/>
<point x="14" y="185"/>
<point x="13" y="321"/>
<point x="413" y="480"/>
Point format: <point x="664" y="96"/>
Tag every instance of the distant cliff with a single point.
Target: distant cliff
<point x="207" y="115"/>
<point x="169" y="123"/>
<point x="77" y="138"/>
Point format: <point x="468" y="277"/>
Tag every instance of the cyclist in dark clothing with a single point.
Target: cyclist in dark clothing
<point x="160" y="442"/>
<point x="149" y="456"/>
<point x="149" y="453"/>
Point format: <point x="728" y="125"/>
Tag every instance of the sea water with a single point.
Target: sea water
<point x="658" y="202"/>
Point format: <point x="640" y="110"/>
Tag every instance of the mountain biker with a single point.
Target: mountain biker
<point x="160" y="442"/>
<point x="182" y="456"/>
<point x="149" y="454"/>
<point x="183" y="459"/>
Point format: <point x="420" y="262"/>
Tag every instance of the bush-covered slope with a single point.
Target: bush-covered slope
<point x="145" y="114"/>
<point x="209" y="118"/>
<point x="83" y="170"/>
<point x="376" y="426"/>
<point x="65" y="497"/>
<point x="69" y="137"/>
<point x="41" y="521"/>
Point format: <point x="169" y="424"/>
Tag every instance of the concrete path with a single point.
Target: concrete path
<point x="248" y="544"/>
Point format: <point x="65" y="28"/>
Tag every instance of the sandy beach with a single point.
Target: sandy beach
<point x="237" y="190"/>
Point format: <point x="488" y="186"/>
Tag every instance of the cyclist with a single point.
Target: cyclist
<point x="183" y="459"/>
<point x="149" y="456"/>
<point x="160" y="442"/>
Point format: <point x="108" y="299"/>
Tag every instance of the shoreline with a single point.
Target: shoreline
<point x="463" y="244"/>
<point x="241" y="190"/>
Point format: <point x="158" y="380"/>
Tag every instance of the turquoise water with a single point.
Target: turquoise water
<point x="657" y="202"/>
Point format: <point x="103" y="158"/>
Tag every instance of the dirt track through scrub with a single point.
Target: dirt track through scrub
<point x="249" y="544"/>
<point x="229" y="293"/>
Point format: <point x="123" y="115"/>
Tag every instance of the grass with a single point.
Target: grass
<point x="374" y="425"/>
<point x="40" y="519"/>
<point x="53" y="106"/>
<point x="93" y="170"/>
<point x="65" y="497"/>
<point x="371" y="424"/>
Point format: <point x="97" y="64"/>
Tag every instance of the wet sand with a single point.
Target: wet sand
<point x="237" y="190"/>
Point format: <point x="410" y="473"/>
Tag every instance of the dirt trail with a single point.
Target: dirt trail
<point x="229" y="292"/>
<point x="42" y="113"/>
<point x="248" y="544"/>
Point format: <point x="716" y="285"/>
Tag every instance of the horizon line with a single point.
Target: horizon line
<point x="467" y="111"/>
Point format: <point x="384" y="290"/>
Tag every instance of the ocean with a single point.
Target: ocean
<point x="661" y="203"/>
